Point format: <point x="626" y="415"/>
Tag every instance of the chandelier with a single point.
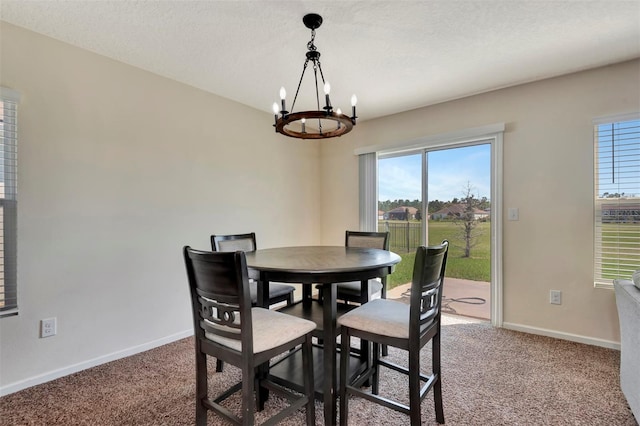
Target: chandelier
<point x="324" y="122"/>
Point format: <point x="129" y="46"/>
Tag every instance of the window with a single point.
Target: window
<point x="8" y="201"/>
<point x="617" y="199"/>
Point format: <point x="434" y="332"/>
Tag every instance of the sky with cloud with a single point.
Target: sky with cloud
<point x="449" y="173"/>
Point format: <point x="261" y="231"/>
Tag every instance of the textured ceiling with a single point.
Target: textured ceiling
<point x="395" y="55"/>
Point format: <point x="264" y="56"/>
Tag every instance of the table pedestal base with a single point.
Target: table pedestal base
<point x="289" y="372"/>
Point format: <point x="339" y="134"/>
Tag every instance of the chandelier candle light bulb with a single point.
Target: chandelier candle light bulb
<point x="283" y="95"/>
<point x="275" y="111"/>
<point x="354" y="101"/>
<point x="327" y="89"/>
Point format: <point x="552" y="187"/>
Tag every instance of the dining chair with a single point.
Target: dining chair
<point x="278" y="293"/>
<point x="352" y="291"/>
<point x="247" y="242"/>
<point x="227" y="327"/>
<point x="407" y="327"/>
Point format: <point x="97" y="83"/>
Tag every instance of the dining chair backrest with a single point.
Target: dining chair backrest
<point x="242" y="242"/>
<point x="220" y="296"/>
<point x="224" y="324"/>
<point x="278" y="292"/>
<point x="379" y="240"/>
<point x="426" y="286"/>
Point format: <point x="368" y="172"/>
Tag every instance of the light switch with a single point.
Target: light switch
<point x="513" y="213"/>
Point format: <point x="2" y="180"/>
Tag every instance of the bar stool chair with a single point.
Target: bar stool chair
<point x="408" y="327"/>
<point x="247" y="242"/>
<point x="227" y="327"/>
<point x="351" y="291"/>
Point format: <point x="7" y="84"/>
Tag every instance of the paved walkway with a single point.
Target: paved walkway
<point x="460" y="297"/>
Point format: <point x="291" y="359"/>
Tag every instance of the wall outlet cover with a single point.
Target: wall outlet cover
<point x="48" y="327"/>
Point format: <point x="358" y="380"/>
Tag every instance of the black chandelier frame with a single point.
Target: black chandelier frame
<point x="340" y="123"/>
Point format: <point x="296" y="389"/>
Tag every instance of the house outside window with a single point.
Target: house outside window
<point x="617" y="198"/>
<point x="8" y="201"/>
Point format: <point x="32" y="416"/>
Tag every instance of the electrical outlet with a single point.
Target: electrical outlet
<point x="555" y="297"/>
<point x="48" y="327"/>
<point x="513" y="213"/>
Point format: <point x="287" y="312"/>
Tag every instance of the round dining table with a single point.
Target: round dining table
<point x="324" y="266"/>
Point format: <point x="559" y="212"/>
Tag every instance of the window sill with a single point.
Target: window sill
<point x="9" y="313"/>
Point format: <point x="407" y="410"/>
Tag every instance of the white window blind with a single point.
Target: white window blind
<point x="8" y="201"/>
<point x="368" y="167"/>
<point x="617" y="200"/>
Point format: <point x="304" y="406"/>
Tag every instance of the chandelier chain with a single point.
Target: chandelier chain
<point x="304" y="68"/>
<point x="321" y="74"/>
<point x="315" y="75"/>
<point x="310" y="45"/>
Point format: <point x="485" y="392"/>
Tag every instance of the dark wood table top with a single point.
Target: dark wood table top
<point x="320" y="259"/>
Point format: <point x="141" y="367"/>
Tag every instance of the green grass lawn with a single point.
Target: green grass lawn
<point x="619" y="255"/>
<point x="477" y="267"/>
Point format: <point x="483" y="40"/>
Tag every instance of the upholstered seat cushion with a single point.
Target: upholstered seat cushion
<point x="352" y="288"/>
<point x="380" y="316"/>
<point x="275" y="290"/>
<point x="270" y="329"/>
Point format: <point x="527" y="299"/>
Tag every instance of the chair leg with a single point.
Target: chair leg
<point x="437" y="386"/>
<point x="309" y="387"/>
<point x="248" y="387"/>
<point x="256" y="389"/>
<point x="262" y="393"/>
<point x="414" y="388"/>
<point x="201" y="388"/>
<point x="375" y="380"/>
<point x="437" y="395"/>
<point x="383" y="294"/>
<point x="344" y="375"/>
<point x="290" y="299"/>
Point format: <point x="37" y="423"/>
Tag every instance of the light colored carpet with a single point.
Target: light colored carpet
<point x="490" y="377"/>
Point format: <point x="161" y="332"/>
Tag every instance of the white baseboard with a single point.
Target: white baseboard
<point x="61" y="372"/>
<point x="564" y="336"/>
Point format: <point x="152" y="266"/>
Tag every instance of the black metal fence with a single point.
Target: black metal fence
<point x="403" y="236"/>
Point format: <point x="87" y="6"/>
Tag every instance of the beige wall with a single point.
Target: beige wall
<point x="548" y="162"/>
<point x="118" y="169"/>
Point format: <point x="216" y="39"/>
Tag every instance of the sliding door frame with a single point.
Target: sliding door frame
<point x="491" y="134"/>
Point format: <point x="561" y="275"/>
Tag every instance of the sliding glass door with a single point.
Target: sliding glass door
<point x="430" y="195"/>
